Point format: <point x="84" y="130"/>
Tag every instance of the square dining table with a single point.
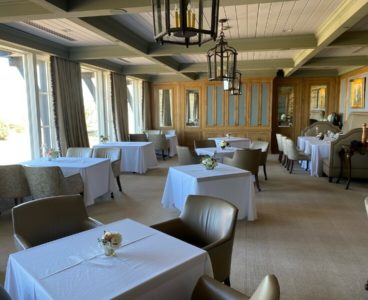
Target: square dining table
<point x="96" y="173"/>
<point x="217" y="152"/>
<point x="233" y="141"/>
<point x="227" y="182"/>
<point x="136" y="157"/>
<point x="148" y="265"/>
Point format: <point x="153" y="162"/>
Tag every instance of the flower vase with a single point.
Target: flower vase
<point x="109" y="250"/>
<point x="223" y="147"/>
<point x="210" y="167"/>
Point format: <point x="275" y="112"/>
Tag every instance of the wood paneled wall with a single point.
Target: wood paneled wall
<point x="246" y="115"/>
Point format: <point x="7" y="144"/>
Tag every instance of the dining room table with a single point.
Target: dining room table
<point x="217" y="152"/>
<point x="234" y="141"/>
<point x="318" y="151"/>
<point x="148" y="265"/>
<point x="227" y="182"/>
<point x="136" y="157"/>
<point x="96" y="173"/>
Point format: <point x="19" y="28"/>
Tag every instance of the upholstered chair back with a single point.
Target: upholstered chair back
<point x="279" y="141"/>
<point x="113" y="153"/>
<point x="284" y="145"/>
<point x="320" y="126"/>
<point x="264" y="150"/>
<point x="13" y="182"/>
<point x="47" y="219"/>
<point x="160" y="143"/>
<point x="185" y="156"/>
<point x="79" y="152"/>
<point x="209" y="223"/>
<point x="246" y="159"/>
<point x="50" y="181"/>
<point x="292" y="152"/>
<point x="138" y="137"/>
<point x="210" y="289"/>
<point x="204" y="143"/>
<point x="152" y="131"/>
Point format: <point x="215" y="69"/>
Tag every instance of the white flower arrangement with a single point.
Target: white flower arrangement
<point x="228" y="135"/>
<point x="209" y="163"/>
<point x="110" y="241"/>
<point x="224" y="144"/>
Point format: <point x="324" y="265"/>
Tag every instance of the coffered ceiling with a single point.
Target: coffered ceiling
<point x="302" y="37"/>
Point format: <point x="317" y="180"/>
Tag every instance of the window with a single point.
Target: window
<point x="134" y="90"/>
<point x="15" y="139"/>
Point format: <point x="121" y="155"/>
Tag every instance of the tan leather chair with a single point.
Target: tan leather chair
<point x="47" y="219"/>
<point x="13" y="183"/>
<point x="84" y="152"/>
<point x="114" y="154"/>
<point x="320" y="126"/>
<point x="50" y="181"/>
<point x="210" y="289"/>
<point x="204" y="144"/>
<point x="209" y="223"/>
<point x="264" y="153"/>
<point x="294" y="155"/>
<point x="246" y="159"/>
<point x="186" y="157"/>
<point x="138" y="137"/>
<point x="161" y="144"/>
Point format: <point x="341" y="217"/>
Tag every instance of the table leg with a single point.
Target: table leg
<point x="348" y="156"/>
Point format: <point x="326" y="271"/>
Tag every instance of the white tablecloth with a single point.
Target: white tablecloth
<point x="318" y="150"/>
<point x="148" y="265"/>
<point x="226" y="182"/>
<point x="217" y="152"/>
<point x="234" y="141"/>
<point x="135" y="156"/>
<point x="96" y="173"/>
<point x="173" y="140"/>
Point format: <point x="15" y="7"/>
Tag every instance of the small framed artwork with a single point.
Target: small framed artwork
<point x="357" y="92"/>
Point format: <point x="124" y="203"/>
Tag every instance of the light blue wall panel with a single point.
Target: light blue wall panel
<point x="265" y="96"/>
<point x="220" y="105"/>
<point x="231" y="110"/>
<point x="242" y="108"/>
<point x="254" y="106"/>
<point x="209" y="106"/>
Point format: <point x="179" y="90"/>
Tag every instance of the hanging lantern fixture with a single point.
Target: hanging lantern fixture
<point x="184" y="22"/>
<point x="221" y="59"/>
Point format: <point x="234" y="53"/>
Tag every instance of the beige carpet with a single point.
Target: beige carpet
<point x="310" y="233"/>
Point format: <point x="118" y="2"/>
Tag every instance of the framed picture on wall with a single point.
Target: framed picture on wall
<point x="357" y="92"/>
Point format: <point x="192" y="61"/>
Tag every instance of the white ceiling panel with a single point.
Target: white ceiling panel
<point x="62" y="31"/>
<point x="343" y="51"/>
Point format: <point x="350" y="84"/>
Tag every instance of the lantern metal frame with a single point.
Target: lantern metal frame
<point x="233" y="86"/>
<point x="222" y="59"/>
<point x="182" y="27"/>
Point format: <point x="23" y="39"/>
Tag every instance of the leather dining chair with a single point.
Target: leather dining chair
<point x="264" y="153"/>
<point x="84" y="152"/>
<point x="47" y="219"/>
<point x="50" y="181"/>
<point x="4" y="294"/>
<point x="186" y="157"/>
<point x="161" y="144"/>
<point x="246" y="159"/>
<point x="13" y="183"/>
<point x="138" y="137"/>
<point x="208" y="223"/>
<point x="294" y="155"/>
<point x="114" y="154"/>
<point x="279" y="146"/>
<point x="210" y="289"/>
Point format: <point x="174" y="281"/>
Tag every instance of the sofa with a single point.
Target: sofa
<point x="359" y="163"/>
<point x="355" y="120"/>
<point x="322" y="126"/>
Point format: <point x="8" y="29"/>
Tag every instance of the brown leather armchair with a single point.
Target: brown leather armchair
<point x="264" y="153"/>
<point x="246" y="159"/>
<point x="210" y="289"/>
<point x="209" y="223"/>
<point x="138" y="137"/>
<point x="47" y="219"/>
<point x="204" y="144"/>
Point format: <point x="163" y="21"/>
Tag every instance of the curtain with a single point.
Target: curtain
<point x="146" y="106"/>
<point x="166" y="107"/>
<point x="70" y="121"/>
<point x="119" y="106"/>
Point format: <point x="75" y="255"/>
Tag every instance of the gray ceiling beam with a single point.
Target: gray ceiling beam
<point x="143" y="69"/>
<point x="305" y="41"/>
<point x="100" y="52"/>
<point x="351" y="38"/>
<point x="315" y="73"/>
<point x="16" y="36"/>
<point x="104" y="64"/>
<point x="339" y="61"/>
<point x="243" y="65"/>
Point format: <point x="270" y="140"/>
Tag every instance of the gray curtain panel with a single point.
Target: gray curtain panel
<point x="146" y="106"/>
<point x="70" y="121"/>
<point x="120" y="106"/>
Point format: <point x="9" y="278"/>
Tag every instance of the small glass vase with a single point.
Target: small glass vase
<point x="209" y="167"/>
<point x="109" y="250"/>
